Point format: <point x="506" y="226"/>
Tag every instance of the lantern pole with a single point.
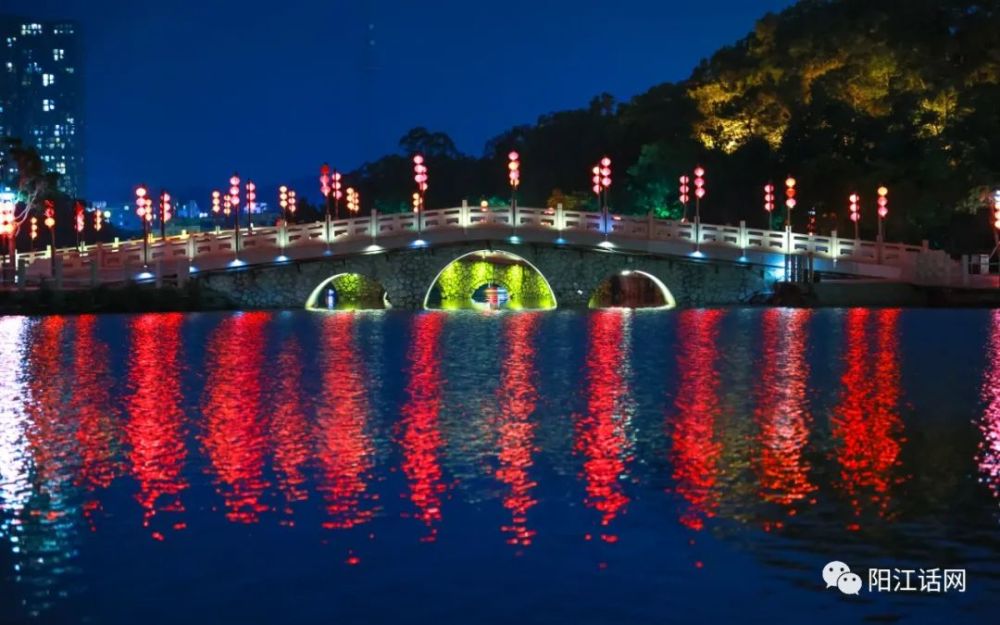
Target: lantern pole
<point x="420" y="177"/>
<point x="234" y="204"/>
<point x="699" y="192"/>
<point x="855" y="207"/>
<point x="514" y="177"/>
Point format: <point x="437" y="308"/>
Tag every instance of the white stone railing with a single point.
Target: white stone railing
<point x="127" y="260"/>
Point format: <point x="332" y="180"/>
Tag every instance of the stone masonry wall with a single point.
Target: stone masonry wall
<point x="407" y="275"/>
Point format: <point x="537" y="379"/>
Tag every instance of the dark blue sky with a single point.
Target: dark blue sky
<point x="180" y="93"/>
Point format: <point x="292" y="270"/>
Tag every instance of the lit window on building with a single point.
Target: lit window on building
<point x="47" y="79"/>
<point x="58" y="54"/>
<point x="11" y="41"/>
<point x="61" y="168"/>
<point x="63" y="29"/>
<point x="10" y="66"/>
<point x="48" y="105"/>
<point x="31" y="29"/>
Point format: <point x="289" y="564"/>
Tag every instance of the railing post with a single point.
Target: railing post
<point x="373" y="224"/>
<point x="834" y="244"/>
<point x="463" y="216"/>
<point x="560" y="217"/>
<point x="744" y="238"/>
<point x="282" y="233"/>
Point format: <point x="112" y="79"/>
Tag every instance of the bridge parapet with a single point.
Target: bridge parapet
<point x="205" y="251"/>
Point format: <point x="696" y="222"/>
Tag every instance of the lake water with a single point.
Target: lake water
<point x="535" y="467"/>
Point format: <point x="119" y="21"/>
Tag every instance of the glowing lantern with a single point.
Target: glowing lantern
<point x="291" y="202"/>
<point x="33" y="232"/>
<point x="883" y="202"/>
<point x="98" y="221"/>
<point x="216" y="202"/>
<point x="227" y="204"/>
<point x="514" y="169"/>
<point x="699" y="182"/>
<point x="353" y="200"/>
<point x="6" y="218"/>
<point x="324" y="180"/>
<point x="855" y="199"/>
<point x="166" y="208"/>
<point x="140" y="203"/>
<point x="234" y="193"/>
<point x="683" y="196"/>
<point x="283" y="197"/>
<point x="420" y="176"/>
<point x="996" y="209"/>
<point x="80" y="220"/>
<point x="790" y="193"/>
<point x="769" y="198"/>
<point x="50" y="214"/>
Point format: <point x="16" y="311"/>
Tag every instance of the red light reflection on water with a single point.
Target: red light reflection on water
<point x="98" y="432"/>
<point x="289" y="427"/>
<point x="235" y="436"/>
<point x="989" y="425"/>
<point x="421" y="440"/>
<point x="866" y="421"/>
<point x="782" y="409"/>
<point x="601" y="436"/>
<point x="695" y="448"/>
<point x="517" y="397"/>
<point x="344" y="448"/>
<point x="156" y="428"/>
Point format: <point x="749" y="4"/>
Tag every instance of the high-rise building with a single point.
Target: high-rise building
<point x="41" y="93"/>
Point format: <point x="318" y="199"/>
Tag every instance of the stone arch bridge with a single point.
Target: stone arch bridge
<point x="408" y="274"/>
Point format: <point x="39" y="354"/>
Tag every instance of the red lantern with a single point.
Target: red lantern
<point x="33" y="233"/>
<point x="324" y="179"/>
<point x="98" y="221"/>
<point x="855" y="200"/>
<point x="216" y="202"/>
<point x="790" y="193"/>
<point x="514" y="169"/>
<point x="140" y="202"/>
<point x="684" y="189"/>
<point x="699" y="182"/>
<point x="883" y="202"/>
<point x="166" y="209"/>
<point x="291" y="202"/>
<point x="80" y="221"/>
<point x="50" y="213"/>
<point x="251" y="196"/>
<point x="283" y="197"/>
<point x="234" y="192"/>
<point x="769" y="197"/>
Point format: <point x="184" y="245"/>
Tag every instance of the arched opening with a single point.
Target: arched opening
<point x="348" y="291"/>
<point x="631" y="289"/>
<point x="489" y="279"/>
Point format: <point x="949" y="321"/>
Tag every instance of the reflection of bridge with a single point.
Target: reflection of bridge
<point x="687" y="257"/>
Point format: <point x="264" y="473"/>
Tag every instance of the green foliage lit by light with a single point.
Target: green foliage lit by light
<point x="525" y="286"/>
<point x="354" y="292"/>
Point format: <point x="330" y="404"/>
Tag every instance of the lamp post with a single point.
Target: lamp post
<point x="335" y="190"/>
<point x="790" y="201"/>
<point x="79" y="221"/>
<point x="601" y="180"/>
<point x="324" y="187"/>
<point x="8" y="231"/>
<point x="50" y="223"/>
<point x="855" y="207"/>
<point x="234" y="205"/>
<point x="883" y="210"/>
<point x="251" y="204"/>
<point x="143" y="207"/>
<point x="166" y="213"/>
<point x="769" y="202"/>
<point x="420" y="177"/>
<point x="514" y="177"/>
<point x="699" y="192"/>
<point x="216" y="206"/>
<point x="683" y="196"/>
<point x="353" y="201"/>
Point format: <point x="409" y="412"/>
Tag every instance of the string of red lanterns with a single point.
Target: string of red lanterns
<point x="855" y="207"/>
<point x="769" y="202"/>
<point x="790" y="200"/>
<point x="683" y="196"/>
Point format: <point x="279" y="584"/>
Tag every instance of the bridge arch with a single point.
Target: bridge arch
<point x="631" y="288"/>
<point x="456" y="282"/>
<point x="351" y="291"/>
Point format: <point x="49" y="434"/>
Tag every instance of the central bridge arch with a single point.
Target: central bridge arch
<point x="455" y="284"/>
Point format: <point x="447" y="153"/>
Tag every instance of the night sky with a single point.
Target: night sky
<point x="180" y="93"/>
